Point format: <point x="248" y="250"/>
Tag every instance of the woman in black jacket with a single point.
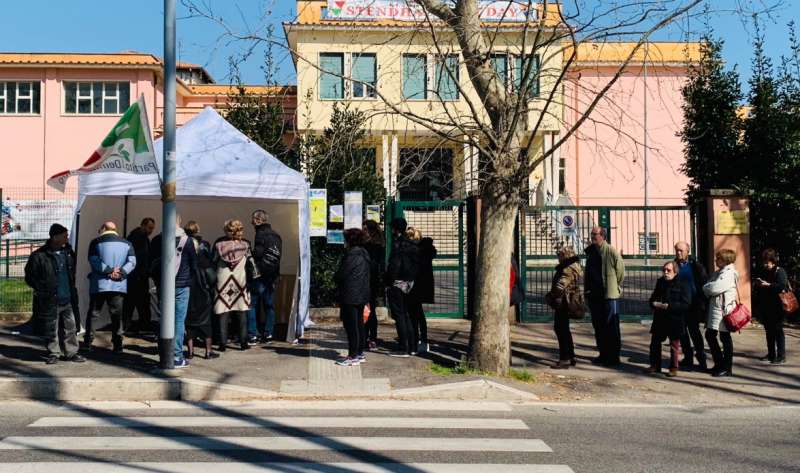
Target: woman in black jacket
<point x="769" y="285"/>
<point x="376" y="247"/>
<point x="670" y="302"/>
<point x="423" y="290"/>
<point x="353" y="281"/>
<point x="201" y="296"/>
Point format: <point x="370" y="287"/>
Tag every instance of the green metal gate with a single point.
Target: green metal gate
<point x="543" y="230"/>
<point x="443" y="221"/>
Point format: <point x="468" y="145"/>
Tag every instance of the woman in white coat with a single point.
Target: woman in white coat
<point x="722" y="296"/>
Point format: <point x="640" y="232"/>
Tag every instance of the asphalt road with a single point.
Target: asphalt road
<point x="393" y="436"/>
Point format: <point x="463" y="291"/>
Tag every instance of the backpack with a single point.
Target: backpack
<point x="574" y="300"/>
<point x="269" y="265"/>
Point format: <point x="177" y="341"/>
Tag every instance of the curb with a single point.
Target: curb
<point x="187" y="389"/>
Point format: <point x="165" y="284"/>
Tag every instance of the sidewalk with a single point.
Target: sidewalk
<point x="307" y="370"/>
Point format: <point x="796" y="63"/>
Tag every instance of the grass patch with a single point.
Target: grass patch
<point x="522" y="375"/>
<point x="15" y="296"/>
<point x="463" y="368"/>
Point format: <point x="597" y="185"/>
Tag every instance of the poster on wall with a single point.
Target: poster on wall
<point x="353" y="209"/>
<point x="30" y="219"/>
<point x="318" y="201"/>
<point x="335" y="237"/>
<point x="336" y="213"/>
<point x="374" y="213"/>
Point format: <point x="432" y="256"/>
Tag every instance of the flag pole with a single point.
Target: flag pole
<point x="168" y="190"/>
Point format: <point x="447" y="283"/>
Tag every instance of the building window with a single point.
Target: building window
<point x="652" y="244"/>
<point x="415" y="76"/>
<point x="500" y="65"/>
<point x="364" y="72"/>
<point x="520" y="67"/>
<point x="20" y="98"/>
<point x="425" y="174"/>
<point x="446" y="77"/>
<point x="96" y="98"/>
<point x="562" y="176"/>
<point x="331" y="80"/>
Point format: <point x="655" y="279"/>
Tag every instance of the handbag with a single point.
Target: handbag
<point x="365" y="313"/>
<point x="576" y="307"/>
<point x="739" y="317"/>
<point x="788" y="300"/>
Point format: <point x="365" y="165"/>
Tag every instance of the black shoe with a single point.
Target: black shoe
<point x="779" y="361"/>
<point x="253" y="341"/>
<point x="212" y="355"/>
<point x="244" y="346"/>
<point x="768" y="359"/>
<point x="118" y="349"/>
<point x="573" y="361"/>
<point x="721" y="374"/>
<point x="686" y="364"/>
<point x="51" y="359"/>
<point x="612" y="363"/>
<point x="599" y="360"/>
<point x="76" y="359"/>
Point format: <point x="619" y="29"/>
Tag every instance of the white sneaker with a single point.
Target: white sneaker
<point x="399" y="354"/>
<point x="423" y="347"/>
<point x="348" y="362"/>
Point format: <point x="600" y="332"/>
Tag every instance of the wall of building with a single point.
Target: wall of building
<point x="38" y="146"/>
<point x="605" y="159"/>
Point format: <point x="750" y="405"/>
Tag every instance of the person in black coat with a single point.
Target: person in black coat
<point x="201" y="297"/>
<point x="694" y="275"/>
<point x="138" y="296"/>
<point x="376" y="247"/>
<point x="670" y="301"/>
<point x="50" y="272"/>
<point x="771" y="282"/>
<point x="352" y="279"/>
<point x="399" y="279"/>
<point x="423" y="290"/>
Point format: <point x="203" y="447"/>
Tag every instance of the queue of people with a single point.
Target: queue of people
<point x="214" y="285"/>
<point x="232" y="282"/>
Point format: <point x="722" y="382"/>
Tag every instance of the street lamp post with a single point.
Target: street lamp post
<point x="166" y="338"/>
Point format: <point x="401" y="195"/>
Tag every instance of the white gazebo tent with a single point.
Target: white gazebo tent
<point x="221" y="175"/>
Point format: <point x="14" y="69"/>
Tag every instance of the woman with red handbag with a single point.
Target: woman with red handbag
<point x="721" y="291"/>
<point x="769" y="286"/>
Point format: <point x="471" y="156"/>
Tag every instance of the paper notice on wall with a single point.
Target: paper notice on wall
<point x="353" y="209"/>
<point x="335" y="237"/>
<point x="374" y="213"/>
<point x="732" y="222"/>
<point x="318" y="201"/>
<point x="336" y="214"/>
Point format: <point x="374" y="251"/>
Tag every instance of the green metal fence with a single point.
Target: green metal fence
<point x="444" y="222"/>
<point x="543" y="230"/>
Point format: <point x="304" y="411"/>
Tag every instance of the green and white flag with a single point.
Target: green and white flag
<point x="128" y="148"/>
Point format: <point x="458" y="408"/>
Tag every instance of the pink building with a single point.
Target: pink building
<point x="55" y="109"/>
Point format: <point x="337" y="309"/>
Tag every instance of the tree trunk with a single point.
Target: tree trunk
<point x="490" y="335"/>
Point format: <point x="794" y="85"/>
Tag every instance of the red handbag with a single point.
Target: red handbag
<point x="739" y="317"/>
<point x="788" y="300"/>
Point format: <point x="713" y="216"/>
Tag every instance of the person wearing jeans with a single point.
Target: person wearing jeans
<point x="186" y="264"/>
<point x="262" y="293"/>
<point x="722" y="293"/>
<point x="267" y="250"/>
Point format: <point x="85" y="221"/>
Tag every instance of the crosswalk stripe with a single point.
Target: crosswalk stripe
<point x="272" y="444"/>
<point x="290" y="422"/>
<point x="231" y="467"/>
<point x="337" y="405"/>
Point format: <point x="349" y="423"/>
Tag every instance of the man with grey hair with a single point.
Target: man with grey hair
<point x="267" y="248"/>
<point x="605" y="272"/>
<point x="694" y="276"/>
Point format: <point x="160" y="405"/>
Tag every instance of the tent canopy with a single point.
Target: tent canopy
<point x="221" y="174"/>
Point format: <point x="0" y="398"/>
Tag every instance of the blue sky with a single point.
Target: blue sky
<point x="97" y="26"/>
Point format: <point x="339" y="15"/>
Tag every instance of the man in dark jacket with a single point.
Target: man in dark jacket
<point x="138" y="296"/>
<point x="267" y="248"/>
<point x="694" y="276"/>
<point x="50" y="272"/>
<point x="399" y="278"/>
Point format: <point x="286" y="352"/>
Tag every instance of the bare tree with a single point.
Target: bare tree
<point x="503" y="118"/>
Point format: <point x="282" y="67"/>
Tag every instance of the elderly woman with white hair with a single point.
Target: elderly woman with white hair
<point x="670" y="301"/>
<point x="231" y="256"/>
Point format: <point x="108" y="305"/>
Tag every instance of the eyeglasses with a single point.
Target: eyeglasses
<point x="596" y="233"/>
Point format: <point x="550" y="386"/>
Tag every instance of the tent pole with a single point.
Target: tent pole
<point x="125" y="221"/>
<point x="167" y="325"/>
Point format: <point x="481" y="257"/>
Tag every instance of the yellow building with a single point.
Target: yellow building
<point x="389" y="69"/>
